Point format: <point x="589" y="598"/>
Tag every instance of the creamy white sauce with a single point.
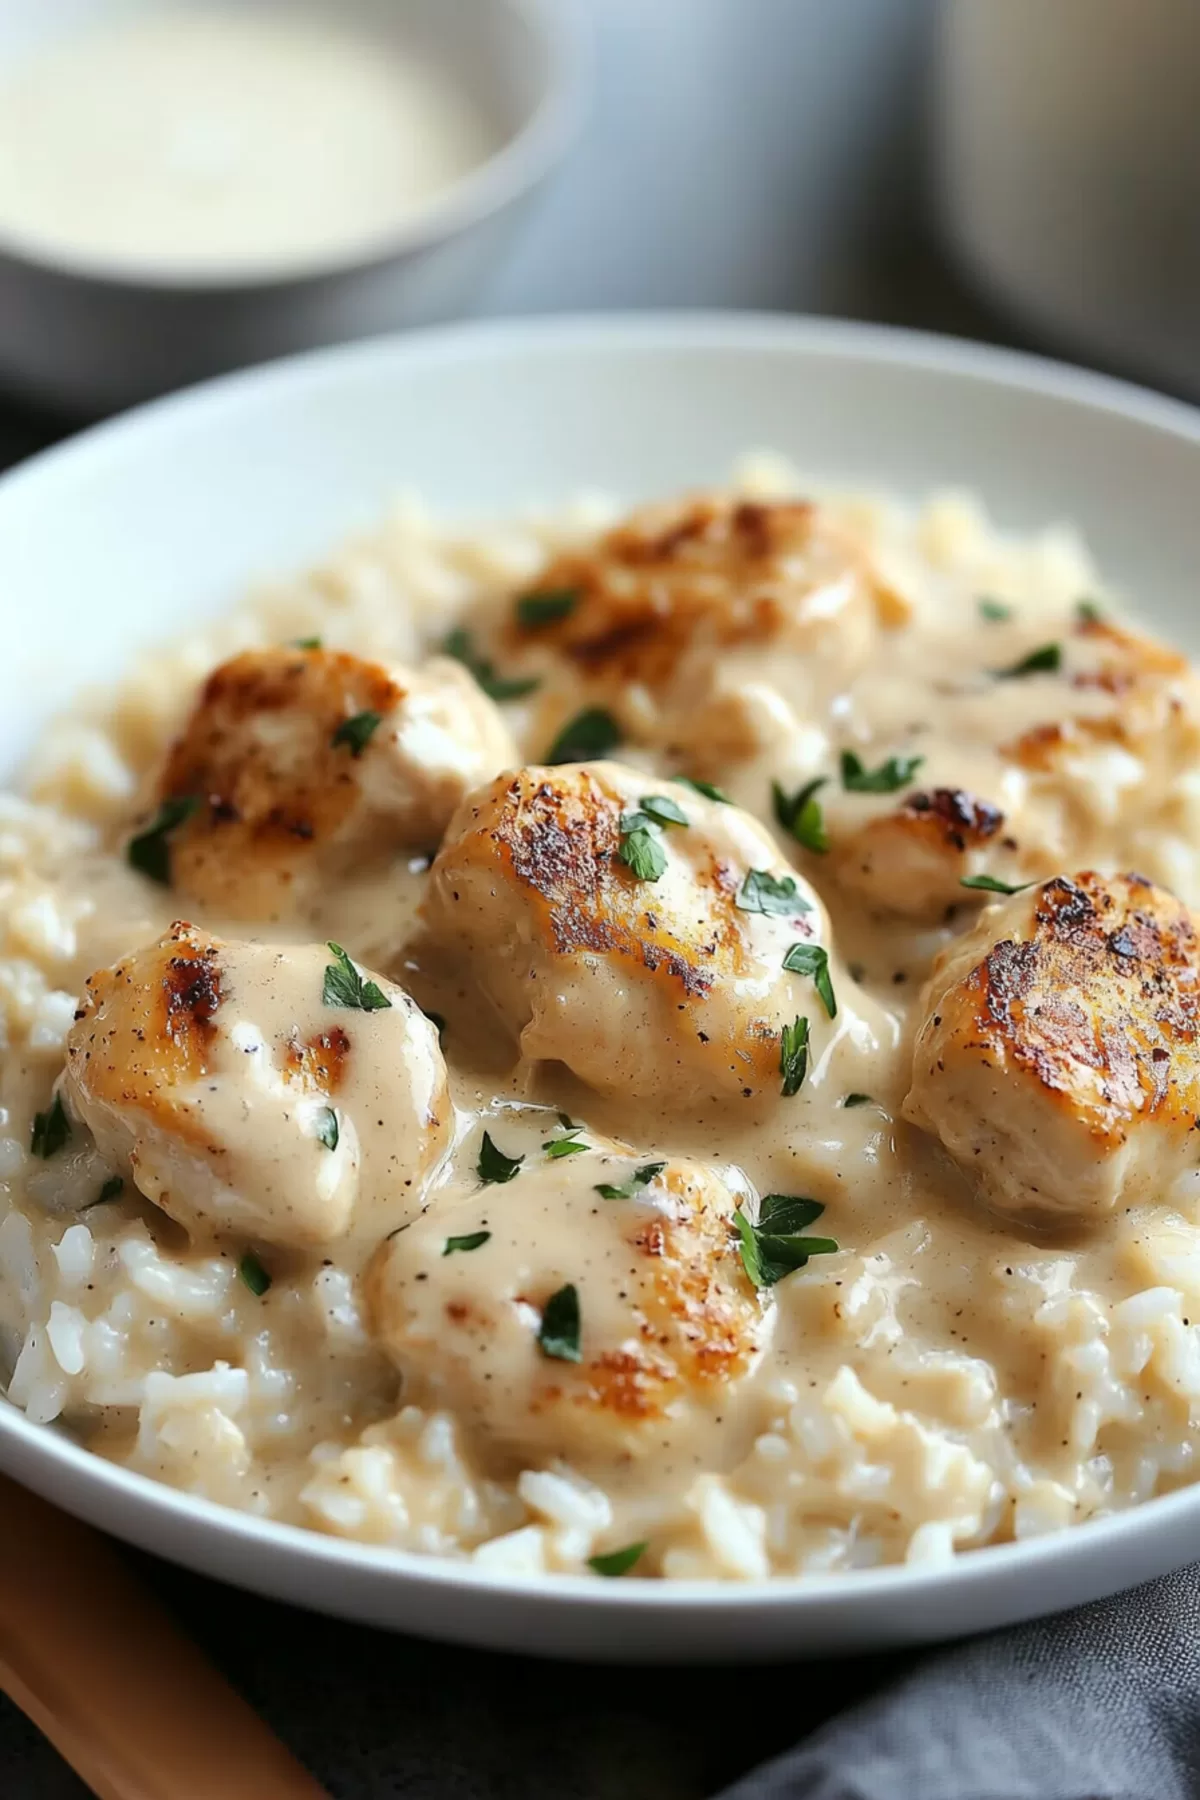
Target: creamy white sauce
<point x="198" y="139"/>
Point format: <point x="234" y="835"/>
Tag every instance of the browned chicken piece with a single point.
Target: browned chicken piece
<point x="640" y="1359"/>
<point x="1059" y="1060"/>
<point x="299" y="762"/>
<point x="1130" y="693"/>
<point x="911" y="861"/>
<point x="665" y="621"/>
<point x="673" y="987"/>
<point x="220" y="1079"/>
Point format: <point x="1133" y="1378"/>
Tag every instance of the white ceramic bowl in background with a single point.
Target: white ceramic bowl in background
<point x="89" y="337"/>
<point x="137" y="528"/>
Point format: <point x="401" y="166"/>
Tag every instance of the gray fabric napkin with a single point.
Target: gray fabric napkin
<point x="1098" y="1704"/>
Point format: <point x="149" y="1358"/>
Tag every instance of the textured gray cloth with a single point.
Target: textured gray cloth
<point x="1099" y="1704"/>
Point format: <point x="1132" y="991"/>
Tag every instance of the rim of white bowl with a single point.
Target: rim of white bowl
<point x="50" y="1446"/>
<point x="484" y="191"/>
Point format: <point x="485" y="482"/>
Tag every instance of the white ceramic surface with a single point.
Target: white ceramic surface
<point x="90" y="337"/>
<point x="129" y="532"/>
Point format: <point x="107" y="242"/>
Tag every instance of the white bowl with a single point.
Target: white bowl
<point x="88" y="336"/>
<point x="132" y="530"/>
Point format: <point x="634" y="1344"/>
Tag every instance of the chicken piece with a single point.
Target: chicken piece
<point x="911" y="861"/>
<point x="667" y="618"/>
<point x="670" y="989"/>
<point x="302" y="762"/>
<point x="215" y="1076"/>
<point x="1058" y="1059"/>
<point x="1127" y="727"/>
<point x="668" y="1323"/>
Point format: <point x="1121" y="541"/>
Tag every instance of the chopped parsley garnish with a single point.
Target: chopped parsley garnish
<point x="570" y="1145"/>
<point x="662" y="809"/>
<point x="547" y="607"/>
<point x="51" y="1129"/>
<point x="639" y="1179"/>
<point x="148" y="852"/>
<point x="775" y="1246"/>
<point x="253" y="1274"/>
<point x="793" y="1056"/>
<point x="344" y="986"/>
<point x="888" y="778"/>
<point x="497" y="687"/>
<point x="801" y="815"/>
<point x="810" y="959"/>
<point x="591" y="733"/>
<point x="357" y="731"/>
<point x="618" y="1562"/>
<point x="328" y="1130"/>
<point x="1088" y="612"/>
<point x="994" y="611"/>
<point x="309" y="643"/>
<point x="470" y="1240"/>
<point x="558" y="1334"/>
<point x="1046" y="661"/>
<point x="991" y="884"/>
<point x="762" y="892"/>
<point x="703" y="787"/>
<point x="493" y="1165"/>
<point x="858" y="1100"/>
<point x="641" y="847"/>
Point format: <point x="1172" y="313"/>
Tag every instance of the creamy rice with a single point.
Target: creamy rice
<point x="943" y="1381"/>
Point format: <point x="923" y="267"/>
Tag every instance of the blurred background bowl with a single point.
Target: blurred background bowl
<point x="88" y="335"/>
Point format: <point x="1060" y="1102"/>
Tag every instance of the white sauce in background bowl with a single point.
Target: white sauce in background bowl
<point x="196" y="139"/>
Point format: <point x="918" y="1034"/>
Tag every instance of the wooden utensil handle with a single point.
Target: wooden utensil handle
<point x="127" y="1700"/>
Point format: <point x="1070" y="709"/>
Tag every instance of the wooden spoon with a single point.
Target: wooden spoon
<point x="129" y="1702"/>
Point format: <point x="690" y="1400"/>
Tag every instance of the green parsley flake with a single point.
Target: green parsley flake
<point x="662" y="809"/>
<point x="458" y="644"/>
<point x="327" y="1127"/>
<point x="148" y="852"/>
<point x="1045" y="661"/>
<point x="547" y="607"/>
<point x="308" y="643"/>
<point x="592" y="733"/>
<point x="51" y="1129"/>
<point x="801" y="814"/>
<point x="344" y="986"/>
<point x="888" y="778"/>
<point x="991" y="884"/>
<point x="811" y="959"/>
<point x="994" y="611"/>
<point x="253" y="1274"/>
<point x="641" y="847"/>
<point x="470" y="1240"/>
<point x="618" y="1562"/>
<point x="565" y="1146"/>
<point x="762" y="892"/>
<point x="774" y="1245"/>
<point x="493" y="1165"/>
<point x="1088" y="612"/>
<point x="559" y="1332"/>
<point x="357" y="732"/>
<point x="639" y="1179"/>
<point x="793" y="1056"/>
<point x="703" y="787"/>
